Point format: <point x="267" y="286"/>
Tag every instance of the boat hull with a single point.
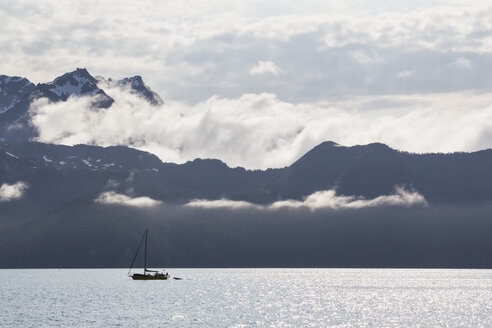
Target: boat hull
<point x="138" y="276"/>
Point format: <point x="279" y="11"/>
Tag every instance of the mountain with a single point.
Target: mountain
<point x="137" y="86"/>
<point x="58" y="208"/>
<point x="15" y="100"/>
<point x="58" y="223"/>
<point x="13" y="90"/>
<point x="17" y="94"/>
<point x="375" y="169"/>
<point x="78" y="83"/>
<point x="366" y="171"/>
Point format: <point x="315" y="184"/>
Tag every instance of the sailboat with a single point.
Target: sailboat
<point x="147" y="274"/>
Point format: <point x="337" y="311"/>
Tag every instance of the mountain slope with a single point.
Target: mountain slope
<point x="370" y="171"/>
<point x="13" y="90"/>
<point x="59" y="208"/>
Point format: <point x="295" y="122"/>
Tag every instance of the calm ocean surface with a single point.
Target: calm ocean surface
<point x="247" y="298"/>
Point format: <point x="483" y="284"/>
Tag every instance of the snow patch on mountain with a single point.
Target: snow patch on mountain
<point x="86" y="162"/>
<point x="68" y="88"/>
<point x="11" y="155"/>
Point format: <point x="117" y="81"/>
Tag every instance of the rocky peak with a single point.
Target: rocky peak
<point x="75" y="78"/>
<point x="77" y="83"/>
<point x="137" y="86"/>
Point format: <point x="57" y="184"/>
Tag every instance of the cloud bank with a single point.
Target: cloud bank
<point x="10" y="192"/>
<point x="113" y="198"/>
<point x="261" y="131"/>
<point x="326" y="199"/>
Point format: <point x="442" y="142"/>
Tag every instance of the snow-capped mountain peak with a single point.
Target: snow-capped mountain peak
<point x="77" y="83"/>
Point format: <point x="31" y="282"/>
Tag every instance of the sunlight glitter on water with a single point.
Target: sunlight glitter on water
<point x="248" y="298"/>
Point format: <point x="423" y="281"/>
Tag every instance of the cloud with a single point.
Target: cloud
<point x="113" y="198"/>
<point x="265" y="67"/>
<point x="222" y="203"/>
<point x="191" y="59"/>
<point x="10" y="192"/>
<point x="329" y="199"/>
<point x="462" y="62"/>
<point x="366" y="57"/>
<point x="261" y="131"/>
<point x="405" y="74"/>
<point x="326" y="199"/>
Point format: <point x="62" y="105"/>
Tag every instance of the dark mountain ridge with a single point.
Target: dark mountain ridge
<point x="57" y="223"/>
<point x="368" y="171"/>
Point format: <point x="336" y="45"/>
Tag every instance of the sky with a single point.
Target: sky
<point x="258" y="83"/>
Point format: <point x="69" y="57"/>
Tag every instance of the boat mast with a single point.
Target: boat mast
<point x="145" y="254"/>
<point x="135" y="257"/>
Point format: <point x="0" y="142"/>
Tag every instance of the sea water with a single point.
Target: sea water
<point x="247" y="298"/>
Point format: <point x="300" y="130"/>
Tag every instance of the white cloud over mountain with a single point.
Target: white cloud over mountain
<point x="326" y="199"/>
<point x="261" y="131"/>
<point x="10" y="192"/>
<point x="113" y="198"/>
<point x="320" y="200"/>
